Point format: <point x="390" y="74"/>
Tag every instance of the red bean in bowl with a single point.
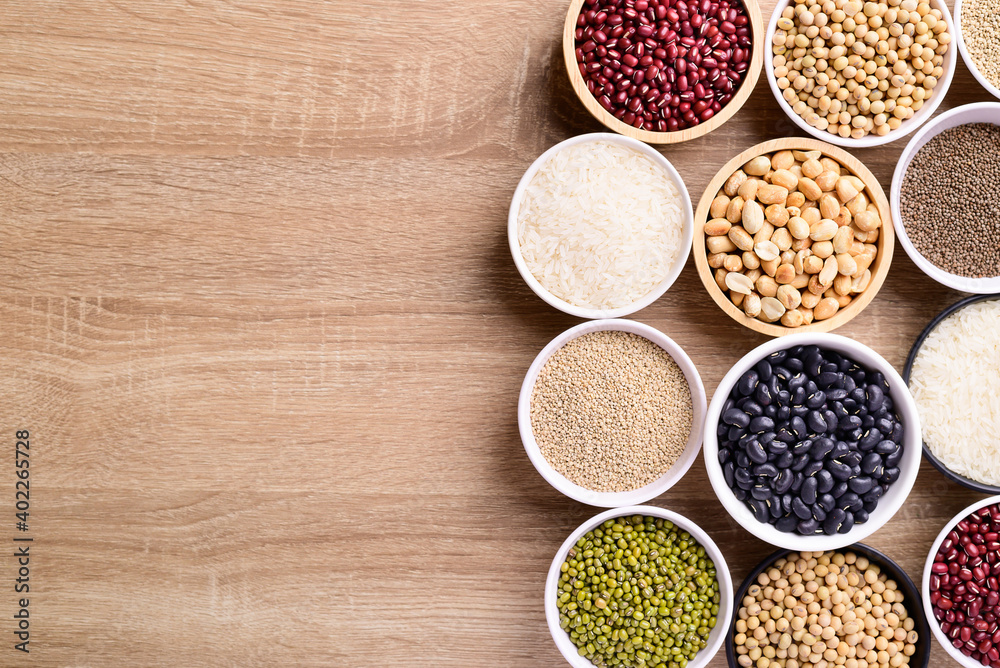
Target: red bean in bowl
<point x="964" y="586"/>
<point x="663" y="65"/>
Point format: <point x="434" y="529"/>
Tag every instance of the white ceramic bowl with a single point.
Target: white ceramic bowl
<point x="715" y="638"/>
<point x="903" y="404"/>
<point x="687" y="233"/>
<point x="905" y="128"/>
<point x="613" y="499"/>
<point x="963" y="49"/>
<point x="980" y="112"/>
<point x="925" y="586"/>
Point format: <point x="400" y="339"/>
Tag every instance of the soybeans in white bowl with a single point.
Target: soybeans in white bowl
<point x="900" y="91"/>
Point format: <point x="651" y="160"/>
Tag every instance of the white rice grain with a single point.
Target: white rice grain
<point x="955" y="381"/>
<point x="600" y="225"/>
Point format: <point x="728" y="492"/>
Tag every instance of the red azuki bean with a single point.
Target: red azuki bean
<point x="672" y="47"/>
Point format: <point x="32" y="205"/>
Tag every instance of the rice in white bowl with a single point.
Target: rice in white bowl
<point x="600" y="225"/>
<point x="955" y="381"/>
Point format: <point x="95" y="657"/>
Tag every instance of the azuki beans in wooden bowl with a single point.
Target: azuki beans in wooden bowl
<point x="793" y="235"/>
<point x="663" y="71"/>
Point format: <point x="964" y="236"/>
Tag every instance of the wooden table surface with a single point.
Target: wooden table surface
<point x="259" y="316"/>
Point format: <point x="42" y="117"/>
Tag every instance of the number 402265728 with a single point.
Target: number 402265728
<point x="22" y="453"/>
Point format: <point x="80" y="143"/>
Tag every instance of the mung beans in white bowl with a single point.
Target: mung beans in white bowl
<point x="611" y="413"/>
<point x="600" y="226"/>
<point x="685" y="601"/>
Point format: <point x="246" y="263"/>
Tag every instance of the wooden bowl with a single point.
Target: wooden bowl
<point x="609" y="120"/>
<point x="873" y="191"/>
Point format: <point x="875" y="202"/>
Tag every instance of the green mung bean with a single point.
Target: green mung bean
<point x="638" y="591"/>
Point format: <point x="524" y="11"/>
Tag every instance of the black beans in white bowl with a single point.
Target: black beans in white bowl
<point x="812" y="441"/>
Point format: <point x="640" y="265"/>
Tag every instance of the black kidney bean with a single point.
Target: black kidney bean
<point x="812" y="440"/>
<point x="826" y="502"/>
<point x="861" y="484"/>
<point x="808" y="492"/>
<point x="834" y="520"/>
<point x="784" y="461"/>
<point x="786" y="524"/>
<point x="807" y="527"/>
<point x="800" y="508"/>
<point x="748" y="383"/>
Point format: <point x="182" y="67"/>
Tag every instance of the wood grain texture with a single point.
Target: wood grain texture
<point x="259" y="314"/>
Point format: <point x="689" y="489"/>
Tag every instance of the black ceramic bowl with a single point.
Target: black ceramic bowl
<point x="938" y="464"/>
<point x="911" y="594"/>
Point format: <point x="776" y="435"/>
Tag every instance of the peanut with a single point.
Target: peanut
<point x="719" y="206"/>
<point x="771" y="308"/>
<point x="829" y="207"/>
<point x="759" y="166"/>
<point x="785" y="179"/>
<point x="734" y="182"/>
<point x="782" y="160"/>
<point x="739" y="283"/>
<point x="824" y="230"/>
<point x="771" y="194"/>
<point x="798" y="228"/>
<point x="720" y="245"/>
<point x="733" y="263"/>
<point x="810" y="189"/>
<point x="752" y="216"/>
<point x="751" y="305"/>
<point x="785" y="274"/>
<point x="766" y="250"/>
<point x="826" y="181"/>
<point x="788" y="296"/>
<point x="716" y="260"/>
<point x="846" y="189"/>
<point x="740" y="238"/>
<point x="791" y="319"/>
<point x="782" y="238"/>
<point x="750" y="260"/>
<point x="810" y="299"/>
<point x="777" y="215"/>
<point x="717" y="227"/>
<point x="748" y="190"/>
<point x="826" y="308"/>
<point x="734" y="212"/>
<point x="767" y="286"/>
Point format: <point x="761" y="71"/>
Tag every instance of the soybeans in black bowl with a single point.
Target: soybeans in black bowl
<point x="812" y="441"/>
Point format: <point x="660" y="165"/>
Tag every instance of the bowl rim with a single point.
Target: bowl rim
<point x="884" y="561"/>
<point x="632" y="497"/>
<point x="879" y="267"/>
<point x="723" y="577"/>
<point x="925" y="582"/>
<point x="908" y="368"/>
<point x="905" y="128"/>
<point x="608" y="119"/>
<point x="988" y="285"/>
<point x="888" y="505"/>
<point x="683" y="249"/>
<point x="967" y="57"/>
